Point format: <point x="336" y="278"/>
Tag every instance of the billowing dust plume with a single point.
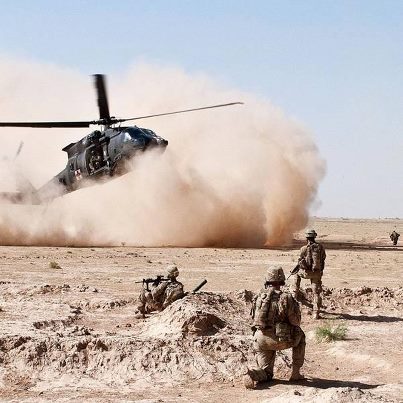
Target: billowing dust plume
<point x="237" y="176"/>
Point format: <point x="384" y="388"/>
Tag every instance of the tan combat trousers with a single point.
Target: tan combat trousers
<point x="265" y="344"/>
<point x="316" y="282"/>
<point x="145" y="303"/>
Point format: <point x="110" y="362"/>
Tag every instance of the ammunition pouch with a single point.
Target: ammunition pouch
<point x="283" y="331"/>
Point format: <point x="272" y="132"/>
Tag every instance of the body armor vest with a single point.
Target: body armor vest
<point x="266" y="309"/>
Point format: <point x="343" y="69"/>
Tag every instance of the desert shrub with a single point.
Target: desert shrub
<point x="327" y="333"/>
<point x="54" y="265"/>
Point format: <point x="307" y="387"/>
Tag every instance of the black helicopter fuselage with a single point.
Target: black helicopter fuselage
<point x="99" y="154"/>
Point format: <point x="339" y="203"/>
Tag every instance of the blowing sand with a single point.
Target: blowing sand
<point x="239" y="176"/>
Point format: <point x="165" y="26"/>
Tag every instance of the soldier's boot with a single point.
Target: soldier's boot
<point x="248" y="382"/>
<point x="254" y="376"/>
<point x="139" y="315"/>
<point x="315" y="314"/>
<point x="296" y="374"/>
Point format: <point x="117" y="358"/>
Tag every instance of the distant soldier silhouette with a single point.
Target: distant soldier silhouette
<point x="394" y="237"/>
<point x="311" y="264"/>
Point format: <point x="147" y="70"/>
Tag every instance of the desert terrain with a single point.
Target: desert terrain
<point x="68" y="331"/>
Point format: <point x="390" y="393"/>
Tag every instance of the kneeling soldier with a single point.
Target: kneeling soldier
<point x="276" y="319"/>
<point x="163" y="292"/>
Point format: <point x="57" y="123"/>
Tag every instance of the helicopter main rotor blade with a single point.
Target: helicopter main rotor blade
<point x="107" y="121"/>
<point x="182" y="111"/>
<point x="48" y="124"/>
<point x="102" y="97"/>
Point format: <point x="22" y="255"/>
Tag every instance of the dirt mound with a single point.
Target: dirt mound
<point x="102" y="304"/>
<point x="86" y="337"/>
<point x="348" y="298"/>
<point x="340" y="395"/>
<point x="56" y="289"/>
<point x="200" y="336"/>
<point x="200" y="314"/>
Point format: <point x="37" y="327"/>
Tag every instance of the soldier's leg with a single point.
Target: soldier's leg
<point x="298" y="354"/>
<point x="140" y="308"/>
<point x="295" y="286"/>
<point x="265" y="362"/>
<point x="317" y="295"/>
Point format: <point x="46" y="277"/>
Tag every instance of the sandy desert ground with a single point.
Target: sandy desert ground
<point x="68" y="333"/>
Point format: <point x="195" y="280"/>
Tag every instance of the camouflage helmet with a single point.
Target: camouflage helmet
<point x="275" y="274"/>
<point x="172" y="271"/>
<point x="311" y="233"/>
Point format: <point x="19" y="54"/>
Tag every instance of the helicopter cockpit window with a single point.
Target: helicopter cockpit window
<point x="133" y="136"/>
<point x="150" y="132"/>
<point x="127" y="138"/>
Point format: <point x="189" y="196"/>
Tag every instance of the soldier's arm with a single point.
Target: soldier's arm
<point x="302" y="252"/>
<point x="173" y="293"/>
<point x="159" y="290"/>
<point x="294" y="312"/>
<point x="253" y="307"/>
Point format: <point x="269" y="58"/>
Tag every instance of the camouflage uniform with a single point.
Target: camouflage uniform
<point x="394" y="237"/>
<point x="312" y="263"/>
<point x="276" y="319"/>
<point x="160" y="295"/>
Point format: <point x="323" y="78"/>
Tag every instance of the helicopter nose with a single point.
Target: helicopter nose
<point x="162" y="142"/>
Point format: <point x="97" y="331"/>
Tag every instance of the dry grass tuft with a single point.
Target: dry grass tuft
<point x="54" y="265"/>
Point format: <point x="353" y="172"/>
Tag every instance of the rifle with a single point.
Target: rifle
<point x="295" y="270"/>
<point x="199" y="287"/>
<point x="154" y="281"/>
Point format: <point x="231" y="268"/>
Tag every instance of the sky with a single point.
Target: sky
<point x="334" y="66"/>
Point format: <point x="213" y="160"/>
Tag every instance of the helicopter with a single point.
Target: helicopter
<point x="101" y="154"/>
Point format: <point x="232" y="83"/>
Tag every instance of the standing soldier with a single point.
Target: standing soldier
<point x="162" y="293"/>
<point x="394" y="237"/>
<point x="276" y="319"/>
<point x="311" y="264"/>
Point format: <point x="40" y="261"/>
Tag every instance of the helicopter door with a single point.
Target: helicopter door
<point x="95" y="159"/>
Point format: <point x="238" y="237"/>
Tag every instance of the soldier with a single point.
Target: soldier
<point x="394" y="237"/>
<point x="276" y="319"/>
<point x="311" y="264"/>
<point x="161" y="294"/>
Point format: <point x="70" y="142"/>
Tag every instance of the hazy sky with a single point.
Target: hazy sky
<point x="335" y="66"/>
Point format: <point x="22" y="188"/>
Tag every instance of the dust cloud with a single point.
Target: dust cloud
<point x="242" y="176"/>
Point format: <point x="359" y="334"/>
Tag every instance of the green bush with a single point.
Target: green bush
<point x="328" y="333"/>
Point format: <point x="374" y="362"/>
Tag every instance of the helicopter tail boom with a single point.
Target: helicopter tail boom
<point x="19" y="198"/>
